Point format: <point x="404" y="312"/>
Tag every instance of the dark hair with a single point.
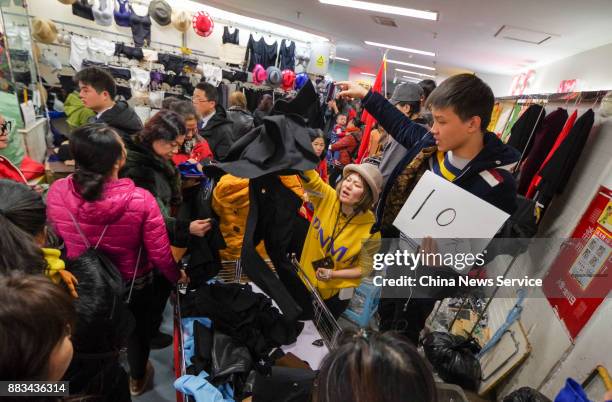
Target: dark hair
<point x="374" y="367"/>
<point x="35" y="315"/>
<point x="99" y="79"/>
<point x="95" y="148"/>
<point x="316" y="133"/>
<point x="169" y="101"/>
<point x="184" y="108"/>
<point x="165" y="125"/>
<point x="468" y="95"/>
<point x="265" y="104"/>
<point x="22" y="216"/>
<point x="415" y="107"/>
<point x="428" y="86"/>
<point x="210" y="90"/>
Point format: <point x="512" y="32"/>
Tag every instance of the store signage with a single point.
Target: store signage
<point x="579" y="278"/>
<point x="521" y="82"/>
<point x="566" y="86"/>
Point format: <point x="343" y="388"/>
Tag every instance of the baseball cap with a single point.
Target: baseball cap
<point x="406" y="92"/>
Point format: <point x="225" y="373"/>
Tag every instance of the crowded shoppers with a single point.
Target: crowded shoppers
<point x="194" y="147"/>
<point x="95" y="207"/>
<point x="214" y="126"/>
<point x="263" y="109"/>
<point x="240" y="115"/>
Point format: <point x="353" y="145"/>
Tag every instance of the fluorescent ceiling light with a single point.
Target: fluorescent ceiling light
<point x="411" y="79"/>
<point x="401" y="49"/>
<point x="369" y="74"/>
<point x="403" y="63"/>
<point x="252" y="24"/>
<point x="384" y="8"/>
<point x="414" y="72"/>
<point x="340" y="58"/>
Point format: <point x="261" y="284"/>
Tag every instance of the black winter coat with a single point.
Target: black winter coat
<point x="122" y="118"/>
<point x="243" y="121"/>
<point x="218" y="132"/>
<point x="161" y="179"/>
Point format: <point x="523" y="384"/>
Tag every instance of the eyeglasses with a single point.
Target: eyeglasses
<point x="6" y="127"/>
<point x="200" y="100"/>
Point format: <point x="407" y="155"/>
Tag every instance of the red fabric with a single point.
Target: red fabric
<point x="31" y="169"/>
<point x="200" y="152"/>
<point x="10" y="171"/>
<point x="134" y="220"/>
<point x="345" y="146"/>
<point x="367" y="118"/>
<point x="562" y="135"/>
<point x="322" y="171"/>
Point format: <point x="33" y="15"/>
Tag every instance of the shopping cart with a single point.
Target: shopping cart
<point x="326" y="324"/>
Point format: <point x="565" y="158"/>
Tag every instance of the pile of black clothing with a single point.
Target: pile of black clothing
<point x="248" y="318"/>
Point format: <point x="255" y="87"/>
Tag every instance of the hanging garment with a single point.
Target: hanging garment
<point x="232" y="54"/>
<point x="141" y="28"/>
<point x="497" y="108"/>
<point x="542" y="143"/>
<point x="521" y="137"/>
<point x="230" y="37"/>
<point x="122" y="15"/>
<point x="286" y="56"/>
<point x="557" y="172"/>
<point x="259" y="52"/>
<point x="103" y="14"/>
<point x="78" y="51"/>
<point x="569" y="124"/>
<point x="100" y="50"/>
<point x="516" y="113"/>
<point x="504" y="116"/>
<point x="134" y="53"/>
<point x="83" y="9"/>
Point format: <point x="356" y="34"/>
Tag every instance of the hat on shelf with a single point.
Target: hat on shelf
<point x="44" y="30"/>
<point x="288" y="79"/>
<point x="181" y="21"/>
<point x="67" y="2"/>
<point x="161" y="12"/>
<point x="275" y="77"/>
<point x="202" y="23"/>
<point x="300" y="80"/>
<point x="259" y="74"/>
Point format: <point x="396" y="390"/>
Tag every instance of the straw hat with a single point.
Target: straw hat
<point x="44" y="30"/>
<point x="181" y="20"/>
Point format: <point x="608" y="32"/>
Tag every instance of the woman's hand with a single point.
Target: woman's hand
<point x="324" y="274"/>
<point x="200" y="227"/>
<point x="350" y="89"/>
<point x="70" y="281"/>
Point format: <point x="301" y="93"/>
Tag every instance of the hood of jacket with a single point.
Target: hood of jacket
<point x="122" y="117"/>
<point x="219" y="119"/>
<point x="494" y="155"/>
<point x="117" y="195"/>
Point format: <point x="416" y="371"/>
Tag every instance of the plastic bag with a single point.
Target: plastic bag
<point x="525" y="394"/>
<point x="454" y="359"/>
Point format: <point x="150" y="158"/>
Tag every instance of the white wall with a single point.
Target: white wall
<point x="590" y="68"/>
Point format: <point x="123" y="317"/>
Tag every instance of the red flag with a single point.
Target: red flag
<point x="367" y="118"/>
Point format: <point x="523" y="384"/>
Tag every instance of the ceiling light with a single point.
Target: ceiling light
<point x="403" y="63"/>
<point x="384" y="8"/>
<point x="340" y="58"/>
<point x="369" y="74"/>
<point x="402" y="49"/>
<point x="414" y="72"/>
<point x="411" y="79"/>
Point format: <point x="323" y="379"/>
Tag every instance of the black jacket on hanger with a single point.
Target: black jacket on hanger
<point x="230" y="37"/>
<point x="543" y="142"/>
<point x="259" y="52"/>
<point x="558" y="170"/>
<point x="286" y="55"/>
<point x="521" y="136"/>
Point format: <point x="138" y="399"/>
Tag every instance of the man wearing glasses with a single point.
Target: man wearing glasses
<point x="214" y="125"/>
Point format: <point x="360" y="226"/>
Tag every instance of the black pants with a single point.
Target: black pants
<point x="142" y="307"/>
<point x="104" y="380"/>
<point x="161" y="291"/>
<point x="405" y="316"/>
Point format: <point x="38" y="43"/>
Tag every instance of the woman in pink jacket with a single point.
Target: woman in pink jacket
<point x="135" y="237"/>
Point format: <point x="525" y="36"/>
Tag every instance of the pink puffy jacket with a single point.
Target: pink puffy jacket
<point x="133" y="218"/>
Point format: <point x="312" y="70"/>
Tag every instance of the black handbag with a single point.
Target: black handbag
<point x="83" y="9"/>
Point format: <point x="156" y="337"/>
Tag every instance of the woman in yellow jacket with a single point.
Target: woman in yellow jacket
<point x="341" y="222"/>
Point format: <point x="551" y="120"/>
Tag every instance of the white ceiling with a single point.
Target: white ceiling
<point x="462" y="38"/>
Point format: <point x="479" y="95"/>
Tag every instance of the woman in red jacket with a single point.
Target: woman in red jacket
<point x="94" y="206"/>
<point x="23" y="171"/>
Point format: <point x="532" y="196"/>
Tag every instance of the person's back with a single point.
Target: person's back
<point x="237" y="112"/>
<point x="369" y="366"/>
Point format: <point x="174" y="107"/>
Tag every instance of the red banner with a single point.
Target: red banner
<point x="579" y="278"/>
<point x="367" y="118"/>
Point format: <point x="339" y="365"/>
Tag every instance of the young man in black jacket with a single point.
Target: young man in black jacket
<point x="457" y="148"/>
<point x="97" y="90"/>
<point x="214" y="125"/>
